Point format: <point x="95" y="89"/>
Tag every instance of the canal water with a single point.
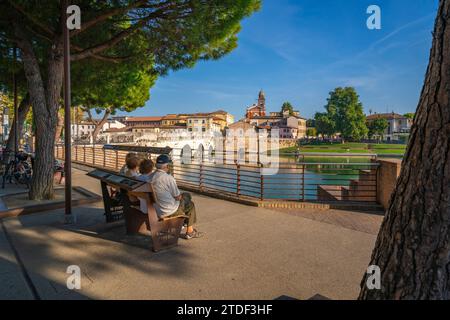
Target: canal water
<point x="296" y="178"/>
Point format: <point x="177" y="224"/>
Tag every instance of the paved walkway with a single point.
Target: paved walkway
<point x="247" y="253"/>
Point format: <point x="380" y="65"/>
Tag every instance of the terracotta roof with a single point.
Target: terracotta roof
<point x="172" y="127"/>
<point x="253" y="106"/>
<point x="276" y="117"/>
<point x="138" y="119"/>
<point x="146" y="126"/>
<point x="200" y="115"/>
<point x="219" y="112"/>
<point x="170" y="116"/>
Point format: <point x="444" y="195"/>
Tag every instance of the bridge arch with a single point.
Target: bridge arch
<point x="210" y="153"/>
<point x="186" y="154"/>
<point x="200" y="152"/>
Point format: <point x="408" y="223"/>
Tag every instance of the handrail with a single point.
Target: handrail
<point x="295" y="180"/>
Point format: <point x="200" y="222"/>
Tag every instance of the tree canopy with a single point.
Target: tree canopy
<point x="409" y="115"/>
<point x="287" y="106"/>
<point x="344" y="114"/>
<point x="171" y="34"/>
<point x="377" y="127"/>
<point x="324" y="124"/>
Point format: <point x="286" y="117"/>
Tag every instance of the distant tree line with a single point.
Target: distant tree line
<point x="344" y="116"/>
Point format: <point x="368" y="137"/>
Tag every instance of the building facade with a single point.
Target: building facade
<point x="82" y="129"/>
<point x="258" y="109"/>
<point x="398" y="125"/>
<point x="142" y="121"/>
<point x="290" y="125"/>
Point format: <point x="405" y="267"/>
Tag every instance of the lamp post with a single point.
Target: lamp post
<point x="16" y="113"/>
<point x="69" y="218"/>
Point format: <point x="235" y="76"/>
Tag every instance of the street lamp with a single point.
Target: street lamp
<point x="69" y="218"/>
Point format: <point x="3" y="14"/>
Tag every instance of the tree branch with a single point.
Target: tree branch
<point x="108" y="44"/>
<point x="101" y="57"/>
<point x="91" y="119"/>
<point x="88" y="52"/>
<point x="20" y="10"/>
<point x="85" y="26"/>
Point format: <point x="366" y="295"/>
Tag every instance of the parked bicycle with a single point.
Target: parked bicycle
<point x="18" y="170"/>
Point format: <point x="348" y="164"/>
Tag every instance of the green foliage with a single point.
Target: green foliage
<point x="345" y="113"/>
<point x="311" y="123"/>
<point x="324" y="124"/>
<point x="409" y="115"/>
<point x="112" y="87"/>
<point x="287" y="106"/>
<point x="5" y="101"/>
<point x="377" y="127"/>
<point x="168" y="35"/>
<point x="311" y="132"/>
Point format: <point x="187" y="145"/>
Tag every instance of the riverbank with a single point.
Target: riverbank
<point x="369" y="148"/>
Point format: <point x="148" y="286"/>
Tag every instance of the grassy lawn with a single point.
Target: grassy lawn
<point x="397" y="149"/>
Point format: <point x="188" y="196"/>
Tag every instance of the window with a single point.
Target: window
<point x="203" y="129"/>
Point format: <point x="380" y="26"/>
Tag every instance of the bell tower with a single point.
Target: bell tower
<point x="262" y="103"/>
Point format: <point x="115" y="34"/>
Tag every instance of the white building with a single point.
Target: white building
<point x="398" y="125"/>
<point x="113" y="124"/>
<point x="82" y="129"/>
<point x="85" y="128"/>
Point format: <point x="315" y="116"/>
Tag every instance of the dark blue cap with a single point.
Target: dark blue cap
<point x="163" y="159"/>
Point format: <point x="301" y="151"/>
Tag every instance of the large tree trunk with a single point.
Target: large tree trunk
<point x="45" y="101"/>
<point x="99" y="125"/>
<point x="22" y="111"/>
<point x="413" y="246"/>
<point x="59" y="126"/>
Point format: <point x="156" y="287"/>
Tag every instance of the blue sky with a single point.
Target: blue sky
<point x="299" y="51"/>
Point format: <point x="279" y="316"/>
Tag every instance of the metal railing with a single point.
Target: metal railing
<point x="305" y="177"/>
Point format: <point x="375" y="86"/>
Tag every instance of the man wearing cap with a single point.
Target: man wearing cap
<point x="169" y="200"/>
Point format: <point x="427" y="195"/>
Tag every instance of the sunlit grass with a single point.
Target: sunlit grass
<point x="351" y="147"/>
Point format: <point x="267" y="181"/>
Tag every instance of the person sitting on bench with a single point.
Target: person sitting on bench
<point x="170" y="202"/>
<point x="145" y="169"/>
<point x="124" y="169"/>
<point x="132" y="167"/>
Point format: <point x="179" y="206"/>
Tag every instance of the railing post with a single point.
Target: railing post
<point x="117" y="160"/>
<point x="104" y="158"/>
<point x="303" y="181"/>
<point x="93" y="154"/>
<point x="261" y="196"/>
<point x="201" y="176"/>
<point x="76" y="152"/>
<point x="238" y="179"/>
<point x="84" y="153"/>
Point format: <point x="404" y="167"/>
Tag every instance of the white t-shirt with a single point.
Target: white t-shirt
<point x="143" y="202"/>
<point x="165" y="190"/>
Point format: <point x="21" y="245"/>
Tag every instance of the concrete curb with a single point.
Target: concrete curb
<point x="90" y="198"/>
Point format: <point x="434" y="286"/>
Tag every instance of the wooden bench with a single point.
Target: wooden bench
<point x="164" y="232"/>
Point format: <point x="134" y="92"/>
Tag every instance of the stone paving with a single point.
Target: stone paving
<point x="247" y="253"/>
